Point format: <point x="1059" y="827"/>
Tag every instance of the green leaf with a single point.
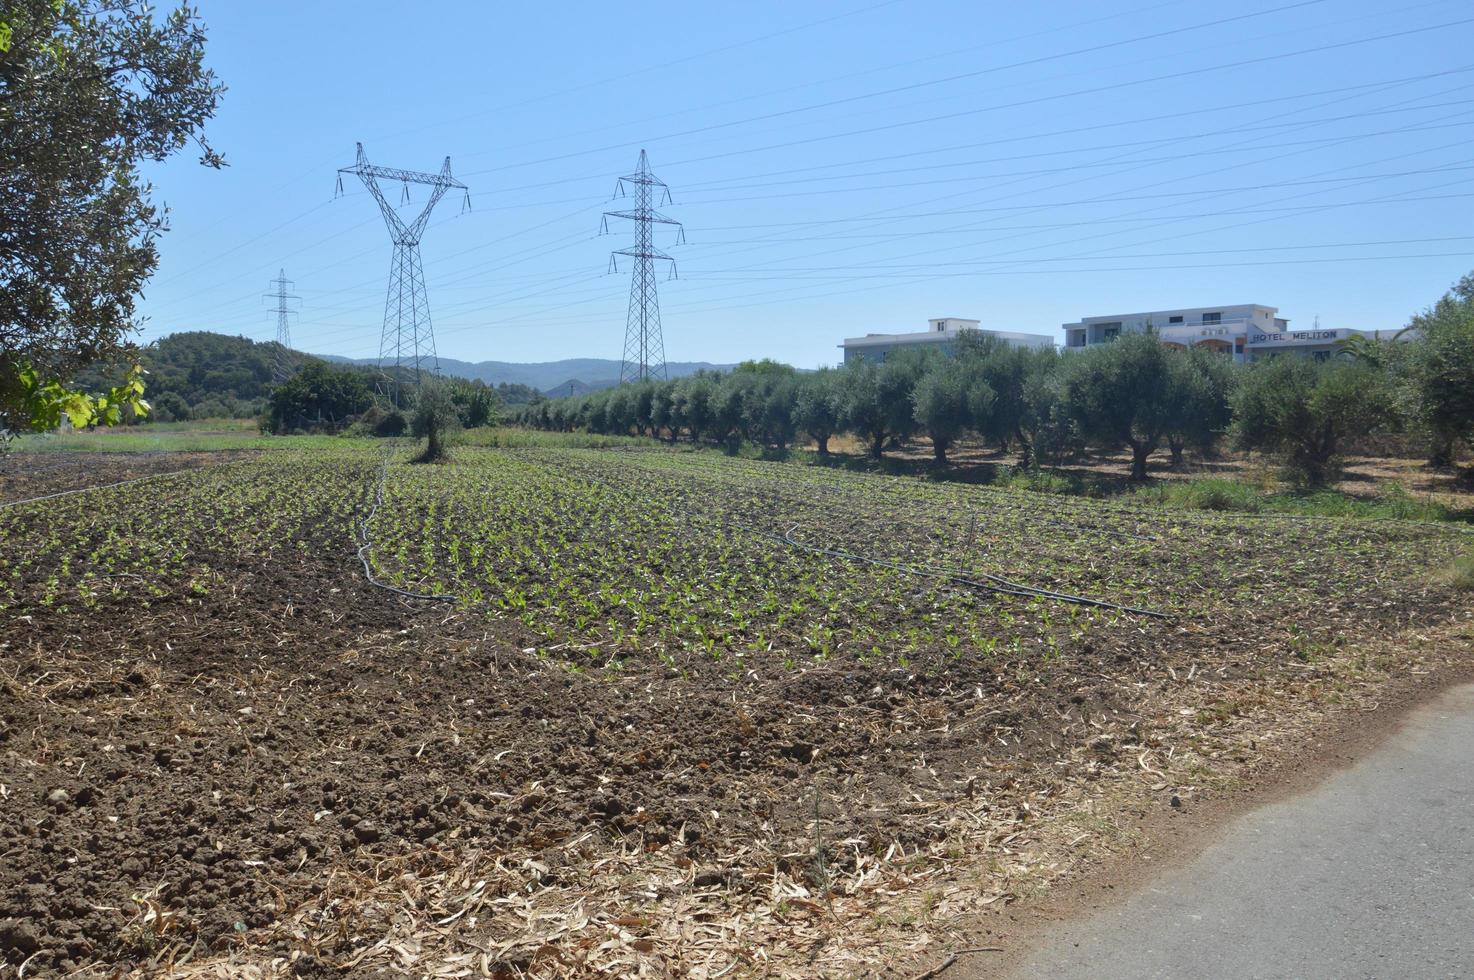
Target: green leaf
<point x="79" y="409"/>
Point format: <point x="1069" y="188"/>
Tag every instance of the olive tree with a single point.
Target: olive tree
<point x="1303" y="411"/>
<point x="1442" y="370"/>
<point x="435" y="417"/>
<point x="875" y="398"/>
<point x="948" y="400"/>
<point x="816" y="410"/>
<point x="1199" y="413"/>
<point x="1121" y="394"/>
<point x="89" y="91"/>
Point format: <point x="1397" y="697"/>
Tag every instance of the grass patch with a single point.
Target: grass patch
<point x="1231" y="495"/>
<point x="515" y="438"/>
<point x="210" y="435"/>
<point x="1207" y="494"/>
<point x="1041" y="481"/>
<point x="214" y="435"/>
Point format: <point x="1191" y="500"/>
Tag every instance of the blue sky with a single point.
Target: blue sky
<point x="840" y="167"/>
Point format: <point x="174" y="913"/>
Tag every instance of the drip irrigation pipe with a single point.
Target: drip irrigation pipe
<point x="366" y="544"/>
<point x="104" y="486"/>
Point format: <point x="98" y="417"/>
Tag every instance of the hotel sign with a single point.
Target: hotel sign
<point x="1294" y="337"/>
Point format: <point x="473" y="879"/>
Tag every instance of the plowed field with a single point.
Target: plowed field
<point x="556" y="712"/>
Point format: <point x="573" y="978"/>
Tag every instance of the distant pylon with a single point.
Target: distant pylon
<point x="644" y="347"/>
<point x="281" y="359"/>
<point x="407" y="345"/>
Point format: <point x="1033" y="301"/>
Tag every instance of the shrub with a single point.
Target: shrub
<point x="875" y="399"/>
<point x="1460" y="573"/>
<point x="816" y="408"/>
<point x="1222" y="495"/>
<point x="391" y="424"/>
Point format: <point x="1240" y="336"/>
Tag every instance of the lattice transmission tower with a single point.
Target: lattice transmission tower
<point x="644" y="347"/>
<point x="282" y="361"/>
<point x="407" y="345"/>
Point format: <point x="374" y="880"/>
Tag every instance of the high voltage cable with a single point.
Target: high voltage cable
<point x="697" y="202"/>
<point x="1289" y="6"/>
<point x="1112" y="196"/>
<point x="936" y="81"/>
<point x="520" y="318"/>
<point x="726" y="183"/>
<point x="934" y="213"/>
<point x="990" y="142"/>
<point x="1197" y="193"/>
<point x="1312" y="208"/>
<point x="933" y="151"/>
<point x="1114" y="86"/>
<point x="646" y="70"/>
<point x="831" y="79"/>
<point x="879" y="218"/>
<point x="850" y="278"/>
<point x="451" y="283"/>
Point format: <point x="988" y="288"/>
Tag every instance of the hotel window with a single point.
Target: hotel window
<point x="1110" y="333"/>
<point x="1174" y="319"/>
<point x="1212" y="317"/>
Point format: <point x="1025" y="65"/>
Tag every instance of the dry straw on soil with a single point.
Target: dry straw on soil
<point x="460" y="911"/>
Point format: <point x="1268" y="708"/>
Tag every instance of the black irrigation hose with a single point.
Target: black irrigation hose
<point x="1002" y="586"/>
<point x="105" y="486"/>
<point x="366" y="544"/>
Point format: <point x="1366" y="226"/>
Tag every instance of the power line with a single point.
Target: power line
<point x="1036" y="100"/>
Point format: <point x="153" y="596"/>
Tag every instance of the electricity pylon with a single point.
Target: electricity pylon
<point x="644" y="347"/>
<point x="282" y="361"/>
<point x="407" y="345"/>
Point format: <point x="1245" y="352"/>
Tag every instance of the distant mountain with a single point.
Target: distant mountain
<point x="551" y="377"/>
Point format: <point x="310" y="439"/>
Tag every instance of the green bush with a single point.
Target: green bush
<point x="391" y="424"/>
<point x="1222" y="495"/>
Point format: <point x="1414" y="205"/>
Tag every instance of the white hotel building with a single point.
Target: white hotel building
<point x="1248" y="332"/>
<point x="941" y="334"/>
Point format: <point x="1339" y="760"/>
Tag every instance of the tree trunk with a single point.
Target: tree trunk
<point x="1441" y="453"/>
<point x="1026" y="452"/>
<point x="877" y="444"/>
<point x="1139" y="452"/>
<point x="1177" y="446"/>
<point x="939" y="450"/>
<point x="823" y="443"/>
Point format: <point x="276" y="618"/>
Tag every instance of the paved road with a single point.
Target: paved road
<point x="1371" y="874"/>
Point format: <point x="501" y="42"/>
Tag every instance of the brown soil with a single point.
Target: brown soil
<point x="288" y="768"/>
<point x="26" y="475"/>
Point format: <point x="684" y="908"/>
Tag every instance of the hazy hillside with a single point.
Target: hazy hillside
<point x="552" y="377"/>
